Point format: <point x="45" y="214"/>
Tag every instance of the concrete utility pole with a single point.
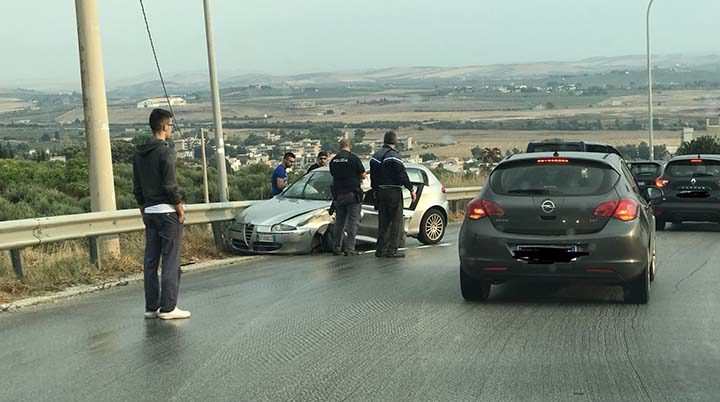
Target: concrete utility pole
<point x="217" y="115"/>
<point x="204" y="165"/>
<point x="97" y="129"/>
<point x="650" y="100"/>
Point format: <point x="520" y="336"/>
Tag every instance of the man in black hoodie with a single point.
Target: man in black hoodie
<point x="156" y="191"/>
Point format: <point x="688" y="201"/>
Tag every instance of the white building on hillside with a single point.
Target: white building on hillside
<point x="160" y="102"/>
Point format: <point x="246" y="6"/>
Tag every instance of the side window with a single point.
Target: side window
<point x="630" y="178"/>
<point x="417" y="176"/>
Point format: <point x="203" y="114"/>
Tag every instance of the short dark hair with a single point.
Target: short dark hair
<point x="322" y="154"/>
<point x="158" y="118"/>
<point x="289" y="155"/>
<point x="390" y="138"/>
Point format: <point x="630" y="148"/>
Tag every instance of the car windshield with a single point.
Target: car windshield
<point x="313" y="186"/>
<point x="562" y="179"/>
<point x="689" y="169"/>
<point x="645" y="169"/>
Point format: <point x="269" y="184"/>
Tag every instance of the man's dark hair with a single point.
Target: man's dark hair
<point x="289" y="155"/>
<point x="390" y="138"/>
<point x="158" y="118"/>
<point x="322" y="154"/>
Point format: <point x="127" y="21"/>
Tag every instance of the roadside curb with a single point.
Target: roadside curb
<point x="86" y="289"/>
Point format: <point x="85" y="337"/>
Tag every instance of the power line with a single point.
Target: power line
<point x="157" y="64"/>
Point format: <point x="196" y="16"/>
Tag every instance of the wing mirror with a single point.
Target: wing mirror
<point x="654" y="194"/>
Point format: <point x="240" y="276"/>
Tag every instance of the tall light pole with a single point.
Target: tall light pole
<point x="97" y="130"/>
<point x="217" y="116"/>
<point x="650" y="100"/>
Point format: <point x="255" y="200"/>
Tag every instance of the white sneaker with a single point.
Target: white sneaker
<point x="174" y="315"/>
<point x="152" y="314"/>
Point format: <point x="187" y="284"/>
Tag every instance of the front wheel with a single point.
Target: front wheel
<point x="473" y="289"/>
<point x="432" y="227"/>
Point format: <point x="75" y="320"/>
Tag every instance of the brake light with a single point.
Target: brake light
<point x="478" y="209"/>
<point x="443" y="189"/>
<point x="661" y="182"/>
<point x="624" y="210"/>
<point x="695" y="160"/>
<point x="627" y="210"/>
<point x="553" y="160"/>
<point x="606" y="209"/>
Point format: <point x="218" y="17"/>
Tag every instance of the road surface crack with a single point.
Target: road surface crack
<point x="629" y="359"/>
<point x="677" y="284"/>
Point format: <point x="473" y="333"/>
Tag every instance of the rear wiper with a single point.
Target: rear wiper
<point x="538" y="191"/>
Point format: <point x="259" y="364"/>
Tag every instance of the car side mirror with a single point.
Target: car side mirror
<point x="654" y="194"/>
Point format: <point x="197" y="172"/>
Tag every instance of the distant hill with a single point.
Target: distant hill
<point x="197" y="82"/>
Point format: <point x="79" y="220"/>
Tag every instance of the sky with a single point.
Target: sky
<point x="39" y="37"/>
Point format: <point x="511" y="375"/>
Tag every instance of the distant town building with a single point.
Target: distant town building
<point x="687" y="134"/>
<point x="712" y="130"/>
<point x="160" y="102"/>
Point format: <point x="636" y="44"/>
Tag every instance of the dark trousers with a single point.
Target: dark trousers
<point x="163" y="233"/>
<point x="347" y="219"/>
<point x="390" y="220"/>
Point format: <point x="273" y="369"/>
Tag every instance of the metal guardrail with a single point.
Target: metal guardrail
<point x="19" y="234"/>
<point x="462" y="193"/>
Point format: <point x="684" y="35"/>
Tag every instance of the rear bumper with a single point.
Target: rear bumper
<point x="617" y="254"/>
<point x="678" y="211"/>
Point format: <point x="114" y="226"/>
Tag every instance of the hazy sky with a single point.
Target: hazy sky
<point x="39" y="37"/>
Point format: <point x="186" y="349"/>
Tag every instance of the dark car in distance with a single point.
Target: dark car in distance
<point x="566" y="217"/>
<point x="571" y="146"/>
<point x="645" y="173"/>
<point x="690" y="188"/>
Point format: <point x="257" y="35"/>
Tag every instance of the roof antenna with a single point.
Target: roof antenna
<point x="556" y="154"/>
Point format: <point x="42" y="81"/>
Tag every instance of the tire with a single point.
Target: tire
<point x="473" y="289"/>
<point x="432" y="227"/>
<point x="328" y="240"/>
<point x="659" y="224"/>
<point x="653" y="266"/>
<point x="637" y="291"/>
<point x="316" y="246"/>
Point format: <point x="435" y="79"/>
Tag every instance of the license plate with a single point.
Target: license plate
<point x="266" y="238"/>
<point x="569" y="249"/>
<point x="642" y="183"/>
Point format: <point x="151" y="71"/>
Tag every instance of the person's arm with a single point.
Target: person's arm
<point x="137" y="186"/>
<point x="280" y="182"/>
<point x="405" y="180"/>
<point x="169" y="184"/>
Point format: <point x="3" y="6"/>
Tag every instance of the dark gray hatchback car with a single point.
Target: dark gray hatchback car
<point x="563" y="217"/>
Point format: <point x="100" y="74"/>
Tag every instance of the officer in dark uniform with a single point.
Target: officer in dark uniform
<point x="387" y="178"/>
<point x="348" y="172"/>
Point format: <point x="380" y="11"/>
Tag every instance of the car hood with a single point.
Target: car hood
<point x="278" y="210"/>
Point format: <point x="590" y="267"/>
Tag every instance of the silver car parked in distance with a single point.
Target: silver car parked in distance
<point x="297" y="220"/>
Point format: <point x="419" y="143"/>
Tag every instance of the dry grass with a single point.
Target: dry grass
<point x="54" y="267"/>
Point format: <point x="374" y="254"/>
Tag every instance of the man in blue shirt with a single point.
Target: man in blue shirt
<point x="279" y="176"/>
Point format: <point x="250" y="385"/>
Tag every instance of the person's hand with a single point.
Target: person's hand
<point x="181" y="213"/>
<point x="414" y="196"/>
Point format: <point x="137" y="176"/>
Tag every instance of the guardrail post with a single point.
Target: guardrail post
<point x="218" y="228"/>
<point x="95" y="256"/>
<point x="16" y="257"/>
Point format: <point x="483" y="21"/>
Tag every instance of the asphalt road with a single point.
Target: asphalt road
<point x="337" y="328"/>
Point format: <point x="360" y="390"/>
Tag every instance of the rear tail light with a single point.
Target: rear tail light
<point x="443" y="189"/>
<point x="695" y="160"/>
<point x="624" y="210"/>
<point x="661" y="182"/>
<point x="606" y="209"/>
<point x="478" y="209"/>
<point x="627" y="210"/>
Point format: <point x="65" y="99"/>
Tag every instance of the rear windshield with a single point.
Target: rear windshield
<point x="554" y="146"/>
<point x="688" y="169"/>
<point x="645" y="169"/>
<point x="562" y="179"/>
